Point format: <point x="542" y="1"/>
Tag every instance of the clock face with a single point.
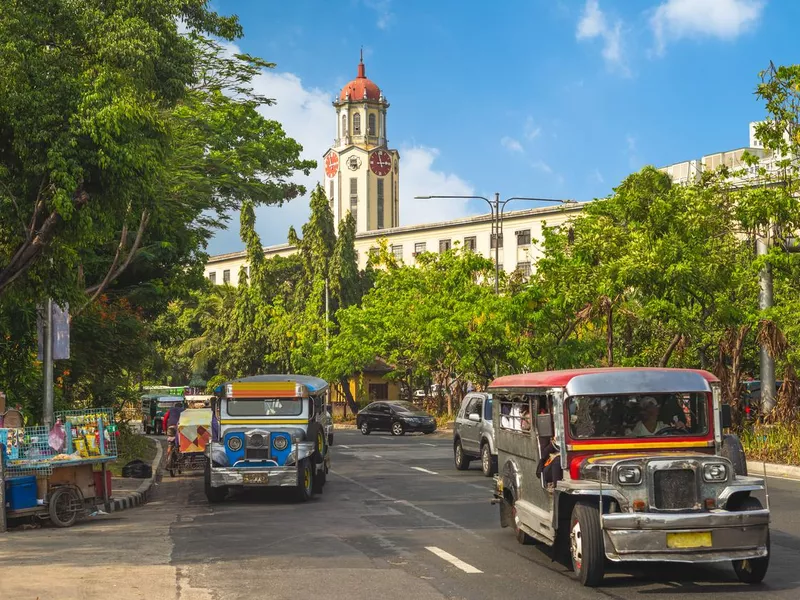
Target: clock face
<point x="332" y="164"/>
<point x="354" y="163"/>
<point x="380" y="162"/>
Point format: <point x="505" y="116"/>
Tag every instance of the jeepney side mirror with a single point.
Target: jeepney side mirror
<point x="544" y="425"/>
<point x="725" y="416"/>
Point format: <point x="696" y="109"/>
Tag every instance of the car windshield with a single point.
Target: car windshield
<point x="638" y="415"/>
<point x="407" y="407"/>
<point x="264" y="407"/>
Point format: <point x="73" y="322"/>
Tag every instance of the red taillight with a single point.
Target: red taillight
<point x="639" y="505"/>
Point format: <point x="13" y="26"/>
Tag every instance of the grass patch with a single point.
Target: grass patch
<point x="131" y="446"/>
<point x="778" y="443"/>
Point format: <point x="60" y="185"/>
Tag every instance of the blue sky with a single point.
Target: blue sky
<point x="543" y="98"/>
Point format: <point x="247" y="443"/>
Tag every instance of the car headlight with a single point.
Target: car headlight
<point x="280" y="442"/>
<point x="715" y="472"/>
<point x="234" y="443"/>
<point x="629" y="475"/>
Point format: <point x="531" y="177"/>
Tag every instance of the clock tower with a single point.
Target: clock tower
<point x="361" y="172"/>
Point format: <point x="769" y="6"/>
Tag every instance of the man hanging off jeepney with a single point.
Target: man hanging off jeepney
<point x="649" y="423"/>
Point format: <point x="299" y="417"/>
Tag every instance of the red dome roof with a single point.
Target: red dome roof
<point x="360" y="88"/>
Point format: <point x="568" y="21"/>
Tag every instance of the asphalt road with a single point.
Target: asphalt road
<point x="396" y="521"/>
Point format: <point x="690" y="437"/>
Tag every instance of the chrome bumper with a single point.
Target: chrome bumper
<point x="643" y="536"/>
<point x="276" y="477"/>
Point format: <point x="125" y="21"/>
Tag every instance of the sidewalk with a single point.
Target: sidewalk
<point x="127" y="492"/>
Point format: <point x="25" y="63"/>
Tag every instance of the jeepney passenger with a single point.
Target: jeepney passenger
<point x="649" y="423"/>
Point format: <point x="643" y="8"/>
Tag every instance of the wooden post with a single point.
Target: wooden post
<point x="2" y="490"/>
<point x="106" y="502"/>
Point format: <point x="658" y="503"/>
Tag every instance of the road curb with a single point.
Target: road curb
<point x="757" y="468"/>
<point x="142" y="493"/>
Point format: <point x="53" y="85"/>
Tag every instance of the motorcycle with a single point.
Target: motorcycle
<point x="173" y="451"/>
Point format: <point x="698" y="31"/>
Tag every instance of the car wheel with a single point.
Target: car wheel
<point x="751" y="570"/>
<point x="364" y="428"/>
<point x="305" y="481"/>
<point x="461" y="460"/>
<point x="522" y="537"/>
<point x="586" y="544"/>
<point x="487" y="460"/>
<point x="397" y="428"/>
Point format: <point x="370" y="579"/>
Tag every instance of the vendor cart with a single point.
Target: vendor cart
<point x="194" y="432"/>
<point x="59" y="478"/>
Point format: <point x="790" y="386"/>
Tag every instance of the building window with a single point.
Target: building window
<point x="380" y="200"/>
<point x="226" y="276"/>
<point x="354" y="197"/>
<point x="523" y="237"/>
<point x="212" y="277"/>
<point x="330" y="194"/>
<point x="524" y="268"/>
<point x="419" y="247"/>
<point x="470" y="243"/>
<point x="357" y="124"/>
<point x="344" y="125"/>
<point x="371" y="124"/>
<point x="397" y="251"/>
<point x="444" y="245"/>
<point x="378" y="391"/>
<point x="498" y="237"/>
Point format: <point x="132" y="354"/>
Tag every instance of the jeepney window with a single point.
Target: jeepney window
<point x="638" y="415"/>
<point x="515" y="412"/>
<point x="264" y="407"/>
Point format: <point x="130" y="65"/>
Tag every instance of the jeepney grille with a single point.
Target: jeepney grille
<point x="257" y="447"/>
<point x="675" y="489"/>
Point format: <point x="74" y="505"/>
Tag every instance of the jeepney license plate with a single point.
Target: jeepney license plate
<point x="695" y="539"/>
<point x="255" y="478"/>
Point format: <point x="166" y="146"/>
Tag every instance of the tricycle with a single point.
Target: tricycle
<point x="186" y="443"/>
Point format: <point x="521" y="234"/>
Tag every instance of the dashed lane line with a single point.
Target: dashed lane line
<point x="425" y="470"/>
<point x="453" y="560"/>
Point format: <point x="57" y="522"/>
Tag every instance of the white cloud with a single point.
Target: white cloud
<point x="383" y="10"/>
<point x="634" y="162"/>
<point x="511" y="144"/>
<point x="419" y="178"/>
<point x="530" y="129"/>
<point x="597" y="177"/>
<point x="307" y="116"/>
<point x="722" y="19"/>
<point x="593" y="24"/>
<point x="542" y="166"/>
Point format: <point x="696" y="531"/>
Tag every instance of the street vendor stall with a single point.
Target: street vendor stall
<point x="61" y="473"/>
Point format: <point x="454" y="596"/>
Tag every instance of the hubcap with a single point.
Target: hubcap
<point x="363" y="427"/>
<point x="397" y="428"/>
<point x="459" y="456"/>
<point x="485" y="459"/>
<point x="576" y="545"/>
<point x="307" y="478"/>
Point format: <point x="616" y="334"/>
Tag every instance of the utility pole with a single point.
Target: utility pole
<point x="47" y="355"/>
<point x="765" y="301"/>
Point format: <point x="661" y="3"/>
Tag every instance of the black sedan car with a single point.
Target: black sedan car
<point x="396" y="416"/>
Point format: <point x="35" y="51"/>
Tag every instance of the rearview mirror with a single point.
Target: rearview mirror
<point x="725" y="416"/>
<point x="544" y="425"/>
<point x="475" y="418"/>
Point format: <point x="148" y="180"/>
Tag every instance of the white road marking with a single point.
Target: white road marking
<point x="426" y="444"/>
<point x="424" y="470"/>
<point x="343" y="446"/>
<point x="453" y="560"/>
<point x="377" y="456"/>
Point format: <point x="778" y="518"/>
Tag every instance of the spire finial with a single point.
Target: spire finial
<point x="361" y="69"/>
<point x="362" y="55"/>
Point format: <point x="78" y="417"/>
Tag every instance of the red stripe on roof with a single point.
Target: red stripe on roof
<point x="562" y="378"/>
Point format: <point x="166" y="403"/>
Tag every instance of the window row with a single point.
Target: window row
<point x="372" y="124"/>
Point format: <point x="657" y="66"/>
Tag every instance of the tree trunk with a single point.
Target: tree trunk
<point x="610" y="336"/>
<point x="670" y="349"/>
<point x="348" y="395"/>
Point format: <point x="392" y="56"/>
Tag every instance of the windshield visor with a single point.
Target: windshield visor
<point x="638" y="415"/>
<point x="264" y="407"/>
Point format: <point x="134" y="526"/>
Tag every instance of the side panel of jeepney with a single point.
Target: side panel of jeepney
<point x="517" y="443"/>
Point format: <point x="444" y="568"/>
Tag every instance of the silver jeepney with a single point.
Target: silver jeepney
<point x="270" y="431"/>
<point x="679" y="493"/>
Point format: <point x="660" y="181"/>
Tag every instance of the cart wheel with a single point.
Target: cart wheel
<point x="63" y="507"/>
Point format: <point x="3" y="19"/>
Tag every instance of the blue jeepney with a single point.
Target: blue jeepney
<point x="269" y="431"/>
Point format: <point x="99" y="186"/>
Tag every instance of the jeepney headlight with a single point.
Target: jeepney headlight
<point x="629" y="475"/>
<point x="715" y="472"/>
<point x="234" y="443"/>
<point x="280" y="442"/>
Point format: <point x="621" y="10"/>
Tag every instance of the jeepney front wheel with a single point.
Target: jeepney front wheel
<point x="214" y="495"/>
<point x="752" y="570"/>
<point x="305" y="480"/>
<point x="320" y="477"/>
<point x="586" y="544"/>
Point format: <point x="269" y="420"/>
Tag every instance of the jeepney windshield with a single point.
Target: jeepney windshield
<point x="638" y="415"/>
<point x="264" y="407"/>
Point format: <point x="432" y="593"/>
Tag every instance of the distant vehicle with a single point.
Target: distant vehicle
<point x="420" y="394"/>
<point x="395" y="416"/>
<point x="751" y="397"/>
<point x="473" y="434"/>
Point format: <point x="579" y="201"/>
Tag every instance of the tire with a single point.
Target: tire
<point x="305" y="481"/>
<point x="522" y="537"/>
<point x="364" y="428"/>
<point x="733" y="451"/>
<point x="460" y="459"/>
<point x="397" y="428"/>
<point x="320" y="477"/>
<point x="316" y="433"/>
<point x="487" y="461"/>
<point x="63" y="507"/>
<point x="586" y="545"/>
<point x="214" y="495"/>
<point x="752" y="570"/>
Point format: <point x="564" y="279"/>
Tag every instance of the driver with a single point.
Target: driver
<point x="649" y="424"/>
